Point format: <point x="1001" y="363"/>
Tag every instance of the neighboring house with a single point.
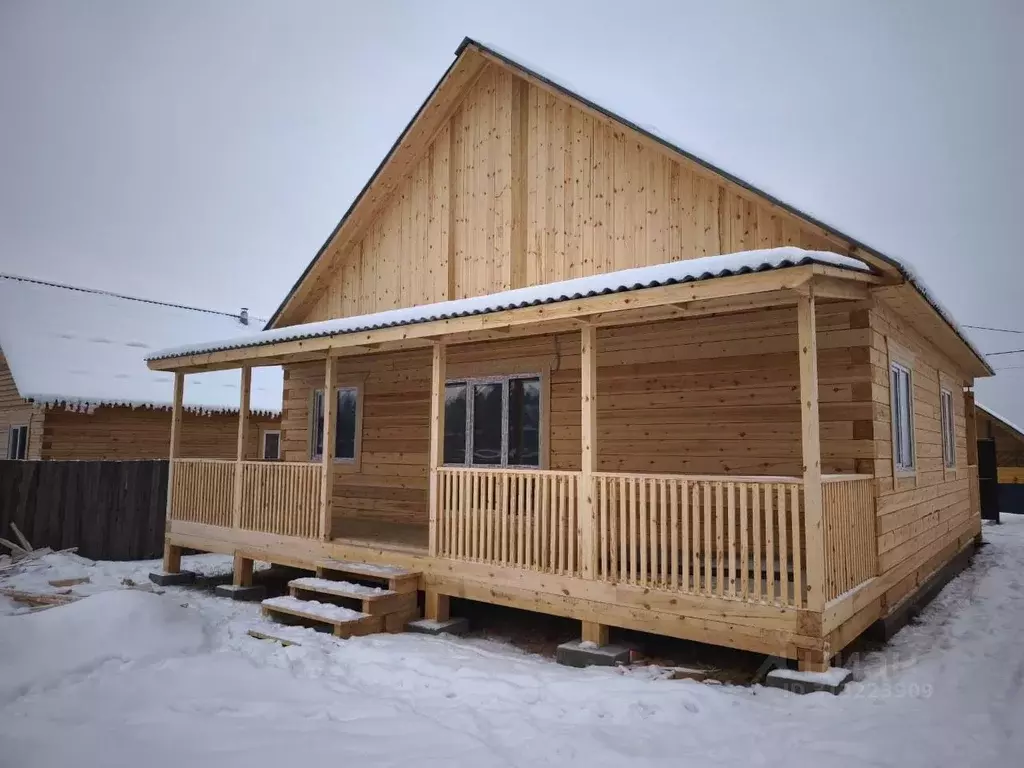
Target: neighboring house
<point x="576" y="370"/>
<point x="1009" y="442"/>
<point x="74" y="383"/>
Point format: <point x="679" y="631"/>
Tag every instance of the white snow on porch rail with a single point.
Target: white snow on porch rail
<point x="81" y="349"/>
<point x="692" y="270"/>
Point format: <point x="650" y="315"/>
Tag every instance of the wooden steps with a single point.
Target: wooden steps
<point x="397" y="579"/>
<point x="338" y="599"/>
<point x="344" y="622"/>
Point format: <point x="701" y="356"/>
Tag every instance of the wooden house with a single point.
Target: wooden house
<point x="74" y="385"/>
<point x="1009" y="444"/>
<point x="574" y="369"/>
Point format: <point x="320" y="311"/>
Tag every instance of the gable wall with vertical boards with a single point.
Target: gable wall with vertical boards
<point x="520" y="187"/>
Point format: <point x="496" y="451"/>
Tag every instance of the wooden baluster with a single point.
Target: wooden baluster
<point x="798" y="577"/>
<point x="731" y="489"/>
<point x="769" y="537"/>
<point x="785" y="553"/>
<point x="720" y="514"/>
<point x="552" y="562"/>
<point x="634" y="539"/>
<point x="744" y="553"/>
<point x="563" y="524"/>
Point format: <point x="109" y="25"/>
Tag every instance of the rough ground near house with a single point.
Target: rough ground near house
<point x="128" y="677"/>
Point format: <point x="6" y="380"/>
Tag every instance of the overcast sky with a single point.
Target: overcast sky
<point x="200" y="152"/>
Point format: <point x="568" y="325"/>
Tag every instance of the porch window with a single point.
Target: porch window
<point x="17" y="442"/>
<point x="948" y="431"/>
<point x="346" y="416"/>
<point x="902" y="397"/>
<point x="493" y="422"/>
<point x="272" y="445"/>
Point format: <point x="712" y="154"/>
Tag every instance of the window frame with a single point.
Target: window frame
<point x="908" y="467"/>
<point x="16" y="429"/>
<point x="341" y="462"/>
<point x="947" y="425"/>
<point x="263" y="444"/>
<point x="504" y="379"/>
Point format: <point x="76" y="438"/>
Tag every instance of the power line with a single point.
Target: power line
<point x="1005" y="352"/>
<point x="987" y="328"/>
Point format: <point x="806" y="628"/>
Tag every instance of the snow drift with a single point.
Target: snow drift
<point x="41" y="650"/>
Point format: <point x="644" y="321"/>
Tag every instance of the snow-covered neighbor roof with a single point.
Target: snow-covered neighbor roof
<point x="83" y="348"/>
<point x="691" y="270"/>
<point x="997" y="417"/>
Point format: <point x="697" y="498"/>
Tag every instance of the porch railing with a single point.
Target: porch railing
<point x="715" y="536"/>
<point x="277" y="497"/>
<point x="202" y="491"/>
<point x="732" y="537"/>
<point x="281" y="497"/>
<point x="520" y="518"/>
<point x="848" y="522"/>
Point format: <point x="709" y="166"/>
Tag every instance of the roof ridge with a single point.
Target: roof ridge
<point x="100" y="292"/>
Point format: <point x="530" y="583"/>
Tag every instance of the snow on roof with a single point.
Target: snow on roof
<point x="997" y="417"/>
<point x="690" y="270"/>
<point x="83" y="348"/>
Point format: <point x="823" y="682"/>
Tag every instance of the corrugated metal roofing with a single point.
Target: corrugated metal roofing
<point x="692" y="270"/>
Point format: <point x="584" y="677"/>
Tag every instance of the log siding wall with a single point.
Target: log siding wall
<point x="717" y="395"/>
<point x="144" y="433"/>
<point x="923" y="518"/>
<point x="16" y="411"/>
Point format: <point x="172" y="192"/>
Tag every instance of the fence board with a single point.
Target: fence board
<point x="110" y="510"/>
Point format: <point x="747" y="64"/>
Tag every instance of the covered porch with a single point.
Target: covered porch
<point x="568" y="531"/>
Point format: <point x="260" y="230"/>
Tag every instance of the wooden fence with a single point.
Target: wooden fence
<point x="110" y="510"/>
<point x="521" y="518"/>
<point x="203" y="491"/>
<point x="713" y="536"/>
<point x="851" y="549"/>
<point x="281" y="497"/>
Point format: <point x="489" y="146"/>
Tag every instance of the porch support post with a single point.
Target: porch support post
<point x="327" y="475"/>
<point x="243" y="441"/>
<point x="811" y="442"/>
<point x="588" y="452"/>
<point x="172" y="554"/>
<point x="437" y="383"/>
<point x="242" y="575"/>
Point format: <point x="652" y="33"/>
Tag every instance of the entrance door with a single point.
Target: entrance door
<point x="988" y="481"/>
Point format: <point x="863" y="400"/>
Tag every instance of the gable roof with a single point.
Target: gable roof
<point x="83" y="348"/>
<point x="470" y="58"/>
<point x="1009" y="426"/>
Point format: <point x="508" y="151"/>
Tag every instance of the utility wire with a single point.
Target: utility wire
<point x="1005" y="352"/>
<point x="986" y="328"/>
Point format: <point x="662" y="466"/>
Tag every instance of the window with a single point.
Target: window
<point x="948" y="431"/>
<point x="902" y="396"/>
<point x="271" y="445"/>
<point x="17" y="442"/>
<point x="493" y="422"/>
<point x="346" y="416"/>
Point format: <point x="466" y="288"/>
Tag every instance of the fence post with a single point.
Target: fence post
<point x="811" y="444"/>
<point x="243" y="442"/>
<point x="437" y="388"/>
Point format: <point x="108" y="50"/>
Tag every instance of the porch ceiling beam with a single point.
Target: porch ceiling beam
<point x="723" y="294"/>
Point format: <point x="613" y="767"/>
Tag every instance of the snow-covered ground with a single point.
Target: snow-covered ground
<point x="132" y="678"/>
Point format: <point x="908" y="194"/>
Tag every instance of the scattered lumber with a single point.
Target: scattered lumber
<point x="21" y="538"/>
<point x="32" y="598"/>
<point x="68" y="582"/>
